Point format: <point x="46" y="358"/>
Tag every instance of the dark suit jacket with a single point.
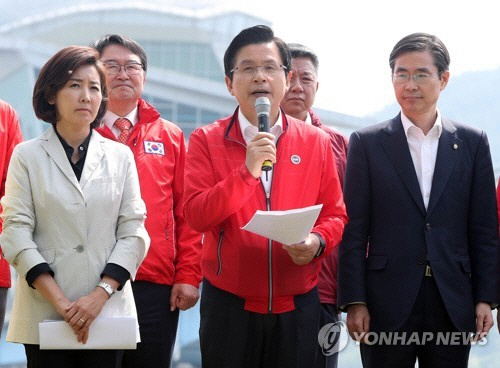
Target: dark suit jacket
<point x="457" y="234"/>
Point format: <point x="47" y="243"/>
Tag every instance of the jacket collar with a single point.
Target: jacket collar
<point x="52" y="145"/>
<point x="234" y="132"/>
<point x="396" y="146"/>
<point x="147" y="113"/>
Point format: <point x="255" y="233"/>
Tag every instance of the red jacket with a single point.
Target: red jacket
<point x="498" y="201"/>
<point x="327" y="283"/>
<point x="222" y="196"/>
<point x="10" y="136"/>
<point x="159" y="150"/>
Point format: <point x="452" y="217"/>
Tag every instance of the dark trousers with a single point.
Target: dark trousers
<point x="328" y="314"/>
<point x="37" y="358"/>
<point x="157" y="325"/>
<point x="233" y="337"/>
<point x="3" y="303"/>
<point x="428" y="315"/>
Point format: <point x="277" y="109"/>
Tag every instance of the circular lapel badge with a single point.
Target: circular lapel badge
<point x="295" y="159"/>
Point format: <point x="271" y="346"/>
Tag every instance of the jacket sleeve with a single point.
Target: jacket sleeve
<point x="483" y="227"/>
<point x="19" y="217"/>
<point x="13" y="137"/>
<point x="353" y="248"/>
<point x="132" y="238"/>
<point x="498" y="202"/>
<point x="332" y="218"/>
<point x="188" y="244"/>
<point x="209" y="202"/>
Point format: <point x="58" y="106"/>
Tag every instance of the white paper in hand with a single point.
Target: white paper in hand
<point x="104" y="333"/>
<point x="287" y="227"/>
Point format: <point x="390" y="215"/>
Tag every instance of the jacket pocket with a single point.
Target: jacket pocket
<point x="374" y="263"/>
<point x="49" y="255"/>
<point x="219" y="252"/>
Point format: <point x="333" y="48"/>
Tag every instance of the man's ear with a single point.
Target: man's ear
<point x="445" y="77"/>
<point x="229" y="85"/>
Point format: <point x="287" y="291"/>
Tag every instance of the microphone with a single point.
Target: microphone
<point x="262" y="108"/>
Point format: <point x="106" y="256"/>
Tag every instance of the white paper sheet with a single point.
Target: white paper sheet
<point x="104" y="333"/>
<point x="287" y="227"/>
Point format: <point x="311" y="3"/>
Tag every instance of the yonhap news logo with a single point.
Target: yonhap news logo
<point x="333" y="337"/>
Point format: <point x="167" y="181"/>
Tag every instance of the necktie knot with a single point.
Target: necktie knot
<point x="125" y="126"/>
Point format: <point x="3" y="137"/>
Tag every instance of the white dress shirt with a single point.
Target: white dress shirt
<point x="423" y="149"/>
<point x="249" y="131"/>
<point x="110" y="118"/>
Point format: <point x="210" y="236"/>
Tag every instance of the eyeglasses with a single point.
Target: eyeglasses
<point x="419" y="78"/>
<point x="130" y="68"/>
<point x="270" y="70"/>
<point x="302" y="79"/>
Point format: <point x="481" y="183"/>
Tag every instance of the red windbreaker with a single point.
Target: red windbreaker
<point x="159" y="150"/>
<point x="327" y="282"/>
<point x="221" y="196"/>
<point x="10" y="136"/>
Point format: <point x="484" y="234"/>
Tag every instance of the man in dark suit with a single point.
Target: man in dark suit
<point x="419" y="254"/>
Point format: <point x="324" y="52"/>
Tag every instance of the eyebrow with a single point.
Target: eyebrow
<point x="116" y="61"/>
<point x="81" y="80"/>
<point x="268" y="61"/>
<point x="421" y="70"/>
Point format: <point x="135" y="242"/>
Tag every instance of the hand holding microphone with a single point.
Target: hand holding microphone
<point x="261" y="151"/>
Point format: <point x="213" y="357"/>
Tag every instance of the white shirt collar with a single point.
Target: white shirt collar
<point x="249" y="131"/>
<point x="110" y="117"/>
<point x="308" y="119"/>
<point x="436" y="129"/>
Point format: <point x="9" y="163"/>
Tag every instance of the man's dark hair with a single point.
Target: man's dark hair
<point x="254" y="35"/>
<point x="55" y="74"/>
<point x="422" y="42"/>
<point x="115" y="39"/>
<point x="300" y="51"/>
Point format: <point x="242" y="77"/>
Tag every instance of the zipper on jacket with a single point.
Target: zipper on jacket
<point x="270" y="261"/>
<point x="219" y="253"/>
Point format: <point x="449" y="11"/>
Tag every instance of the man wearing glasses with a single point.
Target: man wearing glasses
<point x="169" y="276"/>
<point x="418" y="260"/>
<point x="260" y="305"/>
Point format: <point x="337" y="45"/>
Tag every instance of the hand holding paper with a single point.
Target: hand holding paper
<point x="303" y="253"/>
<point x="287" y="227"/>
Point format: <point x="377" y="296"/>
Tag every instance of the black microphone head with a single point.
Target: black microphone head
<point x="262" y="106"/>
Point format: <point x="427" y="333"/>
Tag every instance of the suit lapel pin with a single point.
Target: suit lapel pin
<point x="455" y="146"/>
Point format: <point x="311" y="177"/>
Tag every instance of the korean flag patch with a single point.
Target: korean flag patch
<point x="154" y="147"/>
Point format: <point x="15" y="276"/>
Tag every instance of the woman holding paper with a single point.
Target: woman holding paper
<point x="73" y="217"/>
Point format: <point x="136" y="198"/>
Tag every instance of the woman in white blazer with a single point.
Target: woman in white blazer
<point x="73" y="217"/>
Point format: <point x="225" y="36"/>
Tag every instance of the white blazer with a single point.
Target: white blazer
<point x="76" y="227"/>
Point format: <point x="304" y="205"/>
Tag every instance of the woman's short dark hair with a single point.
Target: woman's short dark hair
<point x="255" y="35"/>
<point x="55" y="74"/>
<point x="422" y="42"/>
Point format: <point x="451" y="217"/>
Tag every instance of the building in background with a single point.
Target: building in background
<point x="185" y="42"/>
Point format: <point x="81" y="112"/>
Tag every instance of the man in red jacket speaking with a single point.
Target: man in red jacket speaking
<point x="260" y="305"/>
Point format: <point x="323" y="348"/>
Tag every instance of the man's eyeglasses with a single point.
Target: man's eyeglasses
<point x="130" y="68"/>
<point x="270" y="70"/>
<point x="419" y="78"/>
